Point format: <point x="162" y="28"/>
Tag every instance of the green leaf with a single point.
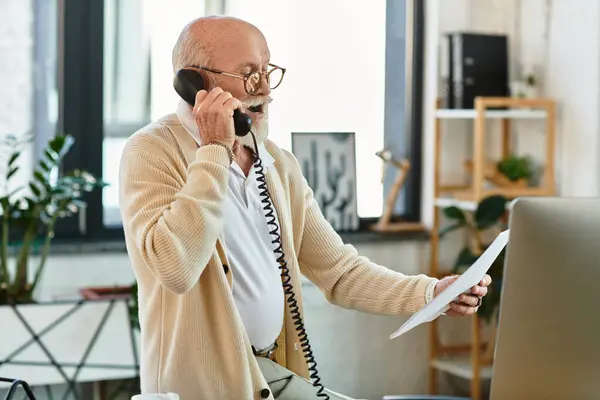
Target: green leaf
<point x="465" y="258"/>
<point x="59" y="190"/>
<point x="70" y="181"/>
<point x="515" y="168"/>
<point x="449" y="228"/>
<point x="57" y="143"/>
<point x="489" y="211"/>
<point x="46" y="200"/>
<point x="14" y="156"/>
<point x="11" y="172"/>
<point x="34" y="189"/>
<point x="43" y="180"/>
<point x="51" y="156"/>
<point x="44" y="165"/>
<point x="61" y="144"/>
<point x="456" y="213"/>
<point x="40" y="177"/>
<point x="496" y="270"/>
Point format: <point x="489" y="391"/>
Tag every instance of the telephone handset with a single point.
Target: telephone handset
<point x="188" y="83"/>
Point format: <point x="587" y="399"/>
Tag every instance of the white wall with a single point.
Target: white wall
<point x="16" y="71"/>
<point x="573" y="78"/>
<point x="558" y="39"/>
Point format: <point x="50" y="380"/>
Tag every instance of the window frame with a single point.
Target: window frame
<point x="81" y="92"/>
<point x="403" y="86"/>
<point x="414" y="90"/>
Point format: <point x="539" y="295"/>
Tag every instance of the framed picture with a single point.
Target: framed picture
<point x="328" y="162"/>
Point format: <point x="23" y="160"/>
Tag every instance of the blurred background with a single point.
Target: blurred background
<point x="449" y="109"/>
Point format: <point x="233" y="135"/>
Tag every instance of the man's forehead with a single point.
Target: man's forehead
<point x="240" y="54"/>
<point x="254" y="62"/>
<point x="230" y="42"/>
<point x="221" y="31"/>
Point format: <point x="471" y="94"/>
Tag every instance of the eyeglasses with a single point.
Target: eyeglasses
<point x="252" y="81"/>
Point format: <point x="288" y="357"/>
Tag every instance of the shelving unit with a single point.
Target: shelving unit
<point x="466" y="361"/>
<point x="491" y="114"/>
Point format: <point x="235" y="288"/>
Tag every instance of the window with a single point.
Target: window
<point x="346" y="71"/>
<point x="118" y="78"/>
<point x="335" y="79"/>
<point x="137" y="77"/>
<point x="28" y="78"/>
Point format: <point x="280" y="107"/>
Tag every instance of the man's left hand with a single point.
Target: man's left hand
<point x="466" y="303"/>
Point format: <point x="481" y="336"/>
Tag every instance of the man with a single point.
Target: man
<point x="215" y="321"/>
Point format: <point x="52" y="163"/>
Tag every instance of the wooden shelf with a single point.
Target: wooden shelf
<point x="461" y="367"/>
<point x="443" y="202"/>
<point x="511" y="193"/>
<point x="466" y="198"/>
<point x="492" y="114"/>
<point x="466" y="203"/>
<point x="474" y="366"/>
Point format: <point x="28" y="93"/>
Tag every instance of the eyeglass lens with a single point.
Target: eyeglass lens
<point x="274" y="78"/>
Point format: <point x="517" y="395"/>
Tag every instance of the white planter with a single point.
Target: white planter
<point x="78" y="341"/>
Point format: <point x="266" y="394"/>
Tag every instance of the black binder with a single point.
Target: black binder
<point x="474" y="65"/>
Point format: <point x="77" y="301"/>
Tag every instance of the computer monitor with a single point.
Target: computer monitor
<point x="548" y="339"/>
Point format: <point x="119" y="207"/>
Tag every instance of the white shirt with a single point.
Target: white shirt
<point x="257" y="289"/>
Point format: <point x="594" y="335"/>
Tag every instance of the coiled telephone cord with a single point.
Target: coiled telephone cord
<point x="288" y="289"/>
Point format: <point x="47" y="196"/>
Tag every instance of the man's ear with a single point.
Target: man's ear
<point x="209" y="80"/>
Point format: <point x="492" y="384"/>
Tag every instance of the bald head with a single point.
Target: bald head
<point x="233" y="46"/>
<point x="204" y="41"/>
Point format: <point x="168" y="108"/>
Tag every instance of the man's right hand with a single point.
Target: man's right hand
<point x="214" y="116"/>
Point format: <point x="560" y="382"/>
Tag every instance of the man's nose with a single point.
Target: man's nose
<point x="265" y="87"/>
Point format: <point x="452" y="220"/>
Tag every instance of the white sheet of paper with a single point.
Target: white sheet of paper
<point x="471" y="277"/>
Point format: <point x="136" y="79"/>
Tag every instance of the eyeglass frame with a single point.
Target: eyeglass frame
<point x="263" y="75"/>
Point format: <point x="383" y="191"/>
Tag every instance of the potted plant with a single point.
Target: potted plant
<point x="515" y="171"/>
<point x="510" y="172"/>
<point x="32" y="212"/>
<point x="488" y="219"/>
<point x="28" y="216"/>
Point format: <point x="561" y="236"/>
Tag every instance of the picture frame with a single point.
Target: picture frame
<point x="328" y="162"/>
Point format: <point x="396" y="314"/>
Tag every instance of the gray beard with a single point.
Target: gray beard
<point x="260" y="130"/>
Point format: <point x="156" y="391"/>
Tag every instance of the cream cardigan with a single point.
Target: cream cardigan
<point x="193" y="339"/>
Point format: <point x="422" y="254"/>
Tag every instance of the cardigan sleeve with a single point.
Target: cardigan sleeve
<point x="173" y="222"/>
<point x="350" y="280"/>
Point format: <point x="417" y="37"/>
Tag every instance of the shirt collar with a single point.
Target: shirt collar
<point x="185" y="115"/>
